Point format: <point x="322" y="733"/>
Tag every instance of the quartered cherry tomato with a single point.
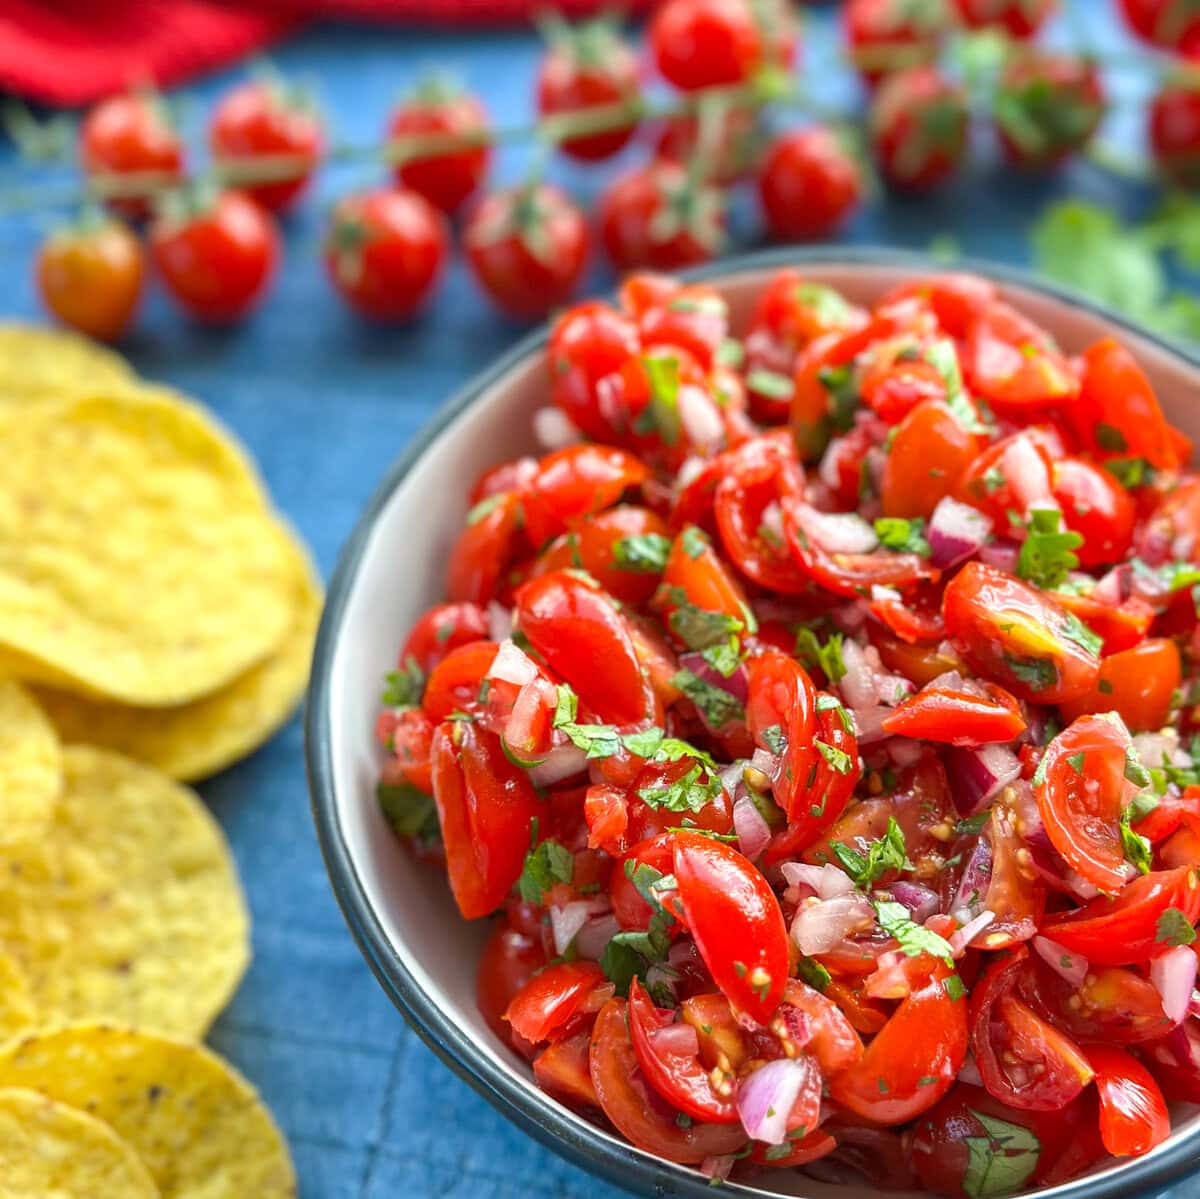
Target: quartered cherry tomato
<point x="735" y="919"/>
<point x="441" y="629"/>
<point x="543" y="1009"/>
<point x="958" y="717"/>
<point x="1133" y="1112"/>
<point x="589" y="344"/>
<point x="1139" y="684"/>
<point x="484" y="548"/>
<point x="1013" y="364"/>
<point x="509" y="960"/>
<point x="574" y="482"/>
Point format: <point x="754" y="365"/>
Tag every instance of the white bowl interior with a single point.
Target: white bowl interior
<point x="401" y="573"/>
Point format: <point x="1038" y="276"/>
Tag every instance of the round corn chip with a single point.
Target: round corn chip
<point x="50" y="365"/>
<point x="199" y="1127"/>
<point x="129" y="907"/>
<point x="49" y="1150"/>
<point x="137" y="560"/>
<point x="196" y="740"/>
<point x="31" y="771"/>
<point x="17" y="1011"/>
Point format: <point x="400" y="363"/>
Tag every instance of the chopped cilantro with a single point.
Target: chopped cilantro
<point x="1046" y="556"/>
<point x="898" y="533"/>
<point x="954" y="987"/>
<point x="1002" y="1162"/>
<point x="692" y="792"/>
<point x="838" y="759"/>
<point x="773" y="736"/>
<point x="827" y="305"/>
<point x="485" y="507"/>
<point x="814" y="974"/>
<point x="403" y="688"/>
<point x="887" y="853"/>
<point x="661" y="414"/>
<point x="827" y="657"/>
<point x="770" y="383"/>
<point x="1075" y="761"/>
<point x="694" y="541"/>
<point x="914" y="939"/>
<point x="699" y="628"/>
<point x="546" y="864"/>
<point x="993" y="480"/>
<point x="716" y="706"/>
<point x="840" y="383"/>
<point x="1136" y="847"/>
<point x="731" y="353"/>
<point x="645" y="553"/>
<point x="1130" y="472"/>
<point x="1073" y="629"/>
<point x="1175" y="929"/>
<point x="409" y="812"/>
<point x="1110" y="438"/>
<point x="973" y="825"/>
<point x="1036" y="673"/>
<point x="943" y="357"/>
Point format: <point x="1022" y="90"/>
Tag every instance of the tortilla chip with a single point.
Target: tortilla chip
<point x="31" y="771"/>
<point x="17" y="1011"/>
<point x="39" y="366"/>
<point x="137" y="561"/>
<point x="129" y="907"/>
<point x="198" y="739"/>
<point x="51" y="1151"/>
<point x="198" y="1126"/>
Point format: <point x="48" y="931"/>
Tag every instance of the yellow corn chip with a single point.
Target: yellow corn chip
<point x="196" y="740"/>
<point x="137" y="561"/>
<point x="17" y="1012"/>
<point x="40" y="366"/>
<point x="51" y="1151"/>
<point x="198" y="1126"/>
<point x="31" y="771"/>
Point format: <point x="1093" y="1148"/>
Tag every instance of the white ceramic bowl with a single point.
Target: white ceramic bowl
<point x="392" y="568"/>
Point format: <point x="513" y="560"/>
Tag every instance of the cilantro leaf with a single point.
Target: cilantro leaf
<point x="906" y="536"/>
<point x="698" y="628"/>
<point x="1136" y="847"/>
<point x="914" y="939"/>
<point x="842" y="387"/>
<point x="546" y="864"/>
<point x="694" y="541"/>
<point x="1073" y="629"/>
<point x="814" y="974"/>
<point x="485" y="507"/>
<point x="716" y="706"/>
<point x="645" y="553"/>
<point x="1036" y="673"/>
<point x="1175" y="929"/>
<point x="731" y="353"/>
<point x="887" y="853"/>
<point x="774" y="737"/>
<point x="1002" y="1162"/>
<point x="661" y="414"/>
<point x="403" y="688"/>
<point x="838" y="759"/>
<point x="1046" y="556"/>
<point x="770" y="383"/>
<point x="943" y="357"/>
<point x="409" y="811"/>
<point x="827" y="657"/>
<point x="693" y="792"/>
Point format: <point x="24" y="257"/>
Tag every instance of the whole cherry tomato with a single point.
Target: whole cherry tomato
<point x="735" y="919"/>
<point x="216" y="255"/>
<point x="131" y="134"/>
<point x="438" y="108"/>
<point x="809" y="183"/>
<point x="656" y="216"/>
<point x="90" y="277"/>
<point x="1013" y="633"/>
<point x="527" y="248"/>
<point x="730" y="152"/>
<point x="1138" y="684"/>
<point x="890" y="35"/>
<point x="264" y="119"/>
<point x="385" y="251"/>
<point x="1133" y="1112"/>
<point x="702" y="43"/>
<point x="918" y="127"/>
<point x="588" y="66"/>
<point x="1047" y="107"/>
<point x="1172" y="24"/>
<point x="1174" y="130"/>
<point x="1018" y="18"/>
<point x="636" y="1109"/>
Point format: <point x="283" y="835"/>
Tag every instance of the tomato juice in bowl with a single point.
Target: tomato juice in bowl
<point x="745" y="954"/>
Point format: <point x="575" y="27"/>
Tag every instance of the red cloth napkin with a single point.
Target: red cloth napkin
<point x="74" y="51"/>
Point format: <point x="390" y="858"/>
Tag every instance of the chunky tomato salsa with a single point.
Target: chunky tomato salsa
<point x="817" y="725"/>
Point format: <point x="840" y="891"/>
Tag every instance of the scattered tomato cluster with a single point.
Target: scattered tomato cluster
<point x="528" y="245"/>
<point x="817" y="721"/>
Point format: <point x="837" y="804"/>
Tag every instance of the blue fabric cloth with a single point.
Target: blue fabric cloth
<point x="325" y="402"/>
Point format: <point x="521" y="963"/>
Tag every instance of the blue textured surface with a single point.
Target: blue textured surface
<point x="325" y="403"/>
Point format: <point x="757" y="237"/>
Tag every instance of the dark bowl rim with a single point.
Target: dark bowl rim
<point x="533" y="1112"/>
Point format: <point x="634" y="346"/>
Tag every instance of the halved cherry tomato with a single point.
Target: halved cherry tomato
<point x="929" y="454"/>
<point x="913" y="1061"/>
<point x="575" y="481"/>
<point x="1013" y="364"/>
<point x="674" y="1069"/>
<point x="954" y="297"/>
<point x="691" y="316"/>
<point x="510" y="959"/>
<point x="442" y="629"/>
<point x="1138" y="684"/>
<point x="1124" y="931"/>
<point x="1119" y="628"/>
<point x="1018" y="636"/>
<point x="585" y="640"/>
<point x="781" y="709"/>
<point x="736" y="922"/>
<point x="1095" y="506"/>
<point x="810" y="1148"/>
<point x="1133" y="1112"/>
<point x="453" y="684"/>
<point x="697" y="570"/>
<point x="1023" y="1060"/>
<point x="1172" y="532"/>
<point x="957" y="717"/>
<point x="484" y="548"/>
<point x="822" y="1029"/>
<point x="1012" y="476"/>
<point x="1118" y="414"/>
<point x="639" y="1113"/>
<point x="918" y="662"/>
<point x="545" y="1006"/>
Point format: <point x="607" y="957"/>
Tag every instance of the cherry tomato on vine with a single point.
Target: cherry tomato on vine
<point x="90" y="276"/>
<point x="385" y="251"/>
<point x="266" y="119"/>
<point x="1172" y="24"/>
<point x="703" y="43"/>
<point x="655" y="216"/>
<point x="131" y="134"/>
<point x="808" y="183"/>
<point x="1047" y="107"/>
<point x="1018" y="18"/>
<point x="440" y="108"/>
<point x="918" y="127"/>
<point x="587" y="66"/>
<point x="885" y="36"/>
<point x="734" y="149"/>
<point x="1174" y="130"/>
<point x="527" y="248"/>
<point x="217" y="255"/>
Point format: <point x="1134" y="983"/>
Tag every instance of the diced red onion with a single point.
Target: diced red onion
<point x="1027" y="475"/>
<point x="1180" y="1047"/>
<point x="920" y="900"/>
<point x="826" y="881"/>
<point x="766" y="1097"/>
<point x="753" y="832"/>
<point x="857" y="685"/>
<point x="565" y="922"/>
<point x="676" y="1040"/>
<point x="700" y="417"/>
<point x="970" y="1072"/>
<point x="1161" y="749"/>
<point x="499" y="622"/>
<point x="766" y="762"/>
<point x="960" y="940"/>
<point x="851" y="615"/>
<point x="1064" y="963"/>
<point x="717" y="1168"/>
<point x="956" y="531"/>
<point x="889" y="979"/>
<point x="868" y="724"/>
<point x="553" y="429"/>
<point x="829" y="470"/>
<point x="1174" y="974"/>
<point x="560" y="763"/>
<point x="977" y="775"/>
<point x="837" y="532"/>
<point x="976" y="879"/>
<point x="904" y="751"/>
<point x="1116" y="586"/>
<point x="692" y="468"/>
<point x="771" y="521"/>
<point x="819" y="926"/>
<point x="731" y="776"/>
<point x="593" y="938"/>
<point x="512" y="665"/>
<point x="1000" y="554"/>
